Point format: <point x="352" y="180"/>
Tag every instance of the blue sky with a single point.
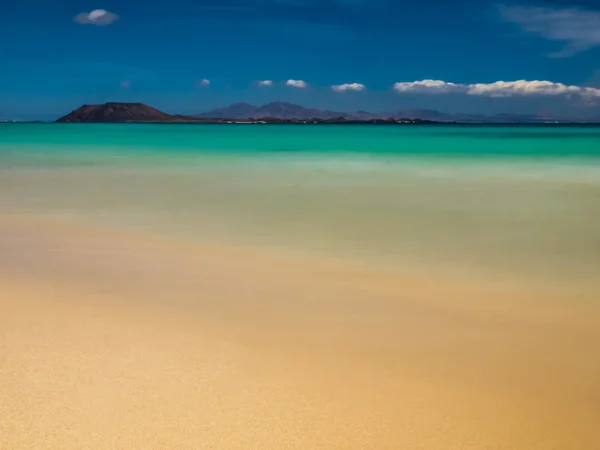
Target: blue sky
<point x="381" y="54"/>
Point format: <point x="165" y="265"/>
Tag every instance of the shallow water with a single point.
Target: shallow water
<point x="518" y="204"/>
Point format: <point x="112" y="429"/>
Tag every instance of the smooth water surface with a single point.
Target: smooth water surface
<point x="511" y="202"/>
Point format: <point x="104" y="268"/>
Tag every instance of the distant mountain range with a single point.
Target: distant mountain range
<point x="282" y="112"/>
<point x="277" y="112"/>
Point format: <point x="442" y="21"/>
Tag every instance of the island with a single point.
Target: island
<point x="116" y="112"/>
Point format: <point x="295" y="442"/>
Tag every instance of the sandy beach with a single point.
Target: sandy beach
<point x="115" y="340"/>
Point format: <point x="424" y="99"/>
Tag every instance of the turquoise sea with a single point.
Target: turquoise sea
<point x="518" y="203"/>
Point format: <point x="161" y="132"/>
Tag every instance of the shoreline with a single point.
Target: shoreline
<point x="118" y="338"/>
<point x="349" y="122"/>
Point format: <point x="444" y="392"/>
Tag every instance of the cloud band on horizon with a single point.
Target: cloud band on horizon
<point x="497" y="89"/>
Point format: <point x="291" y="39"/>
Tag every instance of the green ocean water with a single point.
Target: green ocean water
<point x="504" y="202"/>
<point x="84" y="142"/>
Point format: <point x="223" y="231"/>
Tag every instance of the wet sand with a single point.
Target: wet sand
<point x="120" y="340"/>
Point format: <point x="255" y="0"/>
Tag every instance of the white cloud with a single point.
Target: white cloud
<point x="125" y="84"/>
<point x="203" y="82"/>
<point x="348" y="87"/>
<point x="578" y="28"/>
<point x="429" y="87"/>
<point x="498" y="89"/>
<point x="99" y="17"/>
<point x="522" y="87"/>
<point x="265" y="83"/>
<point x="297" y="83"/>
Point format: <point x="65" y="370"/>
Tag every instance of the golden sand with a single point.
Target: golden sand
<point x="117" y="341"/>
